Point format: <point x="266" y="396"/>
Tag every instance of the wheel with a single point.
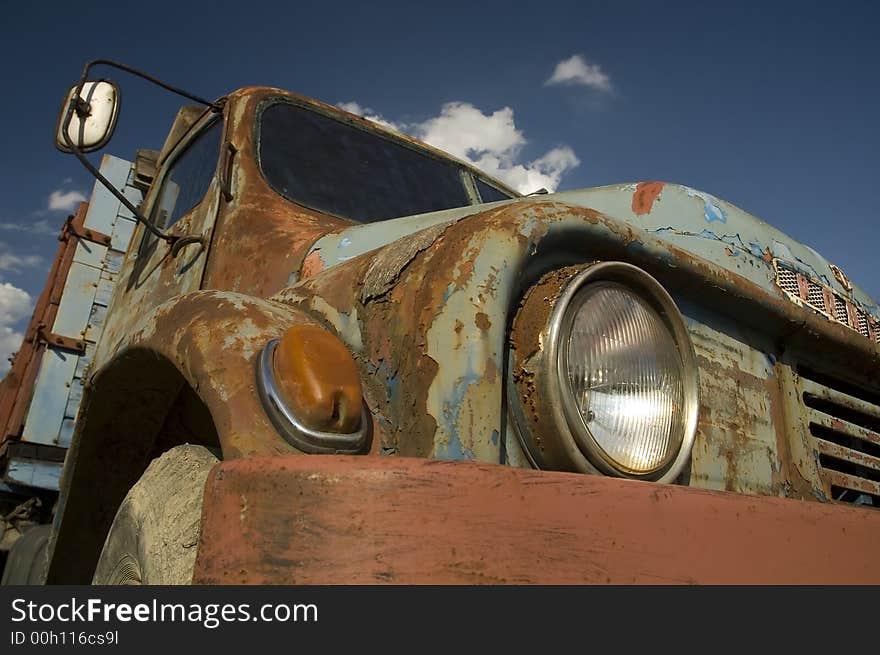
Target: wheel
<point x="27" y="559"/>
<point x="155" y="535"/>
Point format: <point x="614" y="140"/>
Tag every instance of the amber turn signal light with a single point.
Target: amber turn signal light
<point x="311" y="390"/>
<point x="318" y="379"/>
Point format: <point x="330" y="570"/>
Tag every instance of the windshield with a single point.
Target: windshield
<point x="332" y="166"/>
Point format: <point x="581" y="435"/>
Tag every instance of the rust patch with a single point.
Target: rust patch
<point x="464" y="273"/>
<point x="791" y="482"/>
<point x="370" y="525"/>
<point x="388" y="264"/>
<point x="645" y="195"/>
<point x="526" y="342"/>
<point x="482" y="321"/>
<point x="312" y="264"/>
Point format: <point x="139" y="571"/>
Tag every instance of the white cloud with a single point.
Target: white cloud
<point x="65" y="200"/>
<point x="11" y="262"/>
<point x="41" y="226"/>
<point x="544" y="172"/>
<point x="577" y="71"/>
<point x="15" y="304"/>
<point x="464" y="131"/>
<point x="490" y="141"/>
<point x="10" y="342"/>
<point x="369" y="114"/>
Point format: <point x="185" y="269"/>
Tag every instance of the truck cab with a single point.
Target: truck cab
<point x="341" y="355"/>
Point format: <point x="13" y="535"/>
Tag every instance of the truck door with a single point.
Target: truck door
<point x="183" y="200"/>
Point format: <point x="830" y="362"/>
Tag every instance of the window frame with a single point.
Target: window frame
<point x="184" y="147"/>
<point x="482" y="179"/>
<point x="199" y="129"/>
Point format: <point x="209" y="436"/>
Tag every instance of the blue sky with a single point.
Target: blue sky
<point x="771" y="106"/>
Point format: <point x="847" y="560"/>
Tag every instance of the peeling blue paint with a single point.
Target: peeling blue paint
<point x="733" y="240"/>
<point x="782" y="251"/>
<point x="756" y="249"/>
<point x="393" y="385"/>
<point x="495" y="437"/>
<point x="712" y="210"/>
<point x="714" y="213"/>
<point x="450" y="289"/>
<point x="453" y="449"/>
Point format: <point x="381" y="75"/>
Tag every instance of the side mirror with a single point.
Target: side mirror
<point x="93" y="118"/>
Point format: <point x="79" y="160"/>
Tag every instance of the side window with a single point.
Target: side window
<point x="489" y="193"/>
<point x="187" y="181"/>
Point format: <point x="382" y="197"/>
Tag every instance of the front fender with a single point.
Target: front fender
<point x="212" y="339"/>
<point x="207" y="340"/>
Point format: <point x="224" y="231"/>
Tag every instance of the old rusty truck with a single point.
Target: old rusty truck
<point x="333" y="354"/>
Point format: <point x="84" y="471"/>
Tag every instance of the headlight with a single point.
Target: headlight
<point x="604" y="374"/>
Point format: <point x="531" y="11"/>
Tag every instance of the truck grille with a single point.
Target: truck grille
<point x="844" y="423"/>
<point x="806" y="291"/>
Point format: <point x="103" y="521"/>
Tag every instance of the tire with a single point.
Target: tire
<point x="27" y="559"/>
<point x="155" y="535"/>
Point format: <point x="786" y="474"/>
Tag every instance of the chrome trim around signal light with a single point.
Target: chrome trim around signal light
<point x="292" y="429"/>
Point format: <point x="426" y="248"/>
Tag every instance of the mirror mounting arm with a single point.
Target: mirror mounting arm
<point x="112" y="189"/>
<point x="81" y="107"/>
<point x="217" y="105"/>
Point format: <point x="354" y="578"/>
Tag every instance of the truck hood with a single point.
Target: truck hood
<point x="695" y="221"/>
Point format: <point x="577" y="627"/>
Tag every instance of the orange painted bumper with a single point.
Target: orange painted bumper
<point x="366" y="520"/>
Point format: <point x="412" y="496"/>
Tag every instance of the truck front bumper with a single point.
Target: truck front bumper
<point x="366" y="520"/>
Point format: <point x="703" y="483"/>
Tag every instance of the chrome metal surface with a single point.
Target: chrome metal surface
<point x="575" y="448"/>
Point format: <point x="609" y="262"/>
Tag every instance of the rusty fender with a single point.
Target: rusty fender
<point x="208" y="341"/>
<point x="427" y="315"/>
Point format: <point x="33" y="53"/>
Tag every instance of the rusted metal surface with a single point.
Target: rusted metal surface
<point x="150" y="274"/>
<point x="425" y="304"/>
<point x="206" y="341"/>
<point x="346" y="520"/>
<point x="526" y="351"/>
<point x="718" y="231"/>
<point x="62" y="333"/>
<point x="431" y="345"/>
<point x="19" y="382"/>
<point x="77" y="229"/>
<point x="645" y="195"/>
<point x="807" y="292"/>
<point x="838" y="434"/>
<point x="743" y="443"/>
<point x="68" y="343"/>
<point x="427" y="315"/>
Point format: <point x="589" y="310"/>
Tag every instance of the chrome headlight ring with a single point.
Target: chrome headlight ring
<point x="545" y="415"/>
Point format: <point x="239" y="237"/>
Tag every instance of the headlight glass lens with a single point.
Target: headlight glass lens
<point x="625" y="377"/>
